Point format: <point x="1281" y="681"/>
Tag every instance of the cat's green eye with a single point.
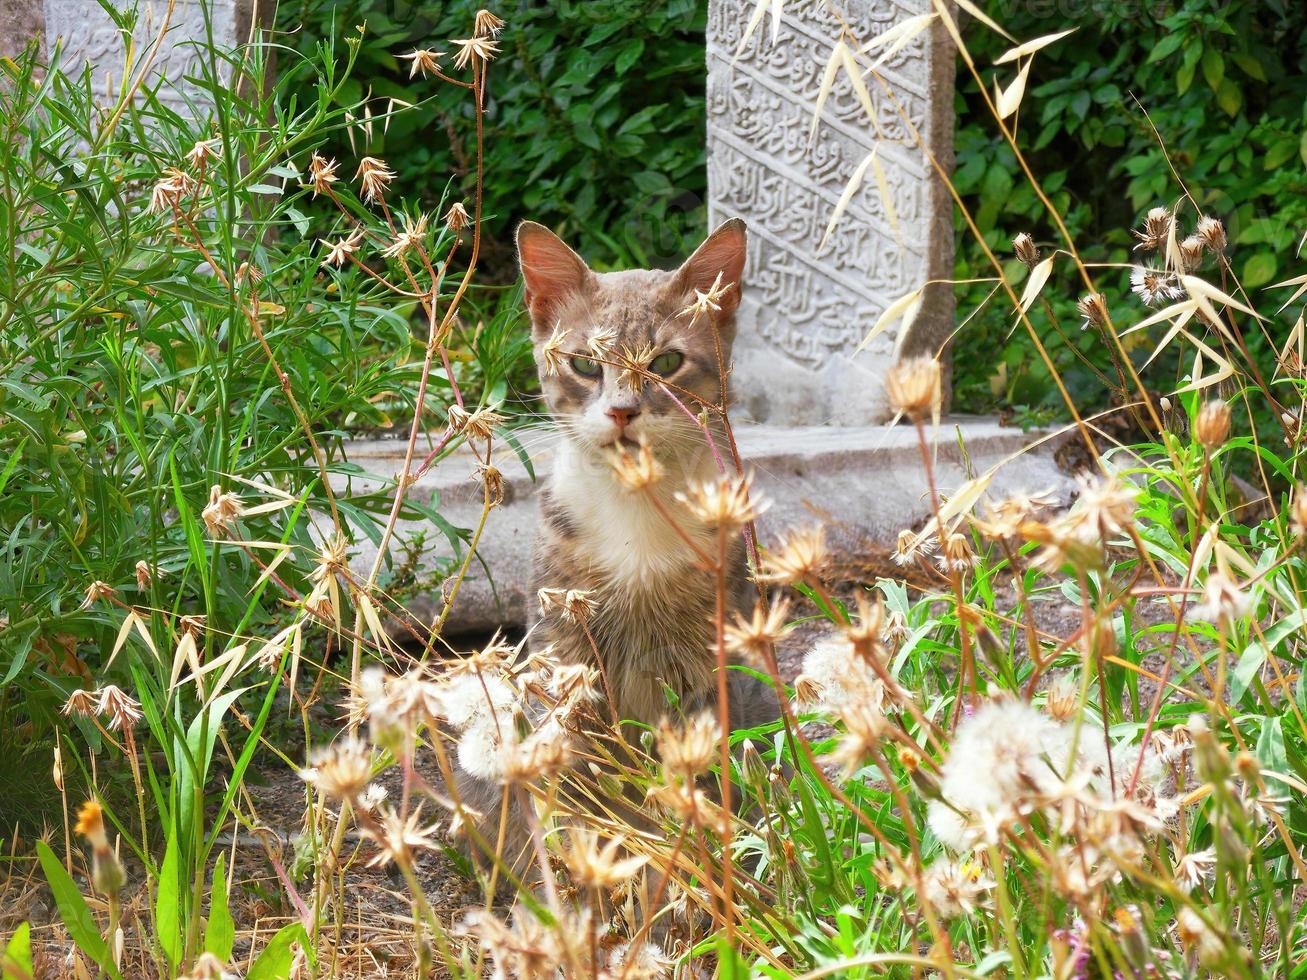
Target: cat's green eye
<point x="666" y="363"/>
<point x="586" y="367"/>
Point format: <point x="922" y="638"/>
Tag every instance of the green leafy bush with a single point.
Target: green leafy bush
<point x="596" y="114"/>
<point x="1225" y="87"/>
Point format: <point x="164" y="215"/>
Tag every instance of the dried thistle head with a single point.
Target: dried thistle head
<point x="1024" y="247"/>
<point x="201" y="154"/>
<point x="639" y="471"/>
<point x="410" y="235"/>
<point x="707" y="301"/>
<point x="724" y="502"/>
<point x="754" y="637"/>
<point x="1156" y="230"/>
<point x="914" y="388"/>
<point x="223" y="511"/>
<point x="1212" y="426"/>
<point x="552" y="355"/>
<point x="1063" y="700"/>
<point x="400" y="838"/>
<point x="342" y="770"/>
<point x="492" y="479"/>
<point x="96" y="591"/>
<point x="573" y="605"/>
<point x="1212" y="232"/>
<point x="374" y="176"/>
<point x="322" y="174"/>
<point x="634" y="374"/>
<point x="801" y="557"/>
<point x="170" y="189"/>
<point x="1093" y="307"/>
<point x="122" y="710"/>
<point x="339" y="251"/>
<point x="957" y="555"/>
<point x="602" y="341"/>
<point x="422" y="60"/>
<point x="480" y="424"/>
<point x="1154" y="286"/>
<point x="84" y="703"/>
<point x="457" y="218"/>
<point x="597" y="869"/>
<point x="475" y="51"/>
<point x="1192" y="250"/>
<point x="487" y="24"/>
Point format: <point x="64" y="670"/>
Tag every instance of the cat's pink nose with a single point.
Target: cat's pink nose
<point x="623" y="416"/>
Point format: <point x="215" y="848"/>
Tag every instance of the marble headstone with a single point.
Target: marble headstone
<point x="87" y="34"/>
<point x="804" y="311"/>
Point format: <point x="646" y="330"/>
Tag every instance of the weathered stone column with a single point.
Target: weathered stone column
<point x="805" y="312"/>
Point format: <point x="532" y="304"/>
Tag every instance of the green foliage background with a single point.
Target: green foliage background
<point x="598" y="116"/>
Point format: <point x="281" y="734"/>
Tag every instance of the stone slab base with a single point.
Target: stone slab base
<point x="865" y="484"/>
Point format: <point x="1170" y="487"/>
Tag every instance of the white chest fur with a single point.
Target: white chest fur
<point x="623" y="534"/>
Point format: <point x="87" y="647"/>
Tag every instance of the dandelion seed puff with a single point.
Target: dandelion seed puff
<point x="841" y="675"/>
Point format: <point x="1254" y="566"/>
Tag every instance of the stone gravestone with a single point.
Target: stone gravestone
<point x="804" y="311"/>
<point x="88" y="35"/>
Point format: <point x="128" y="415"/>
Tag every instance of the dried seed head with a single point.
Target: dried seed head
<point x="223" y="511"/>
<point x="634" y="373"/>
<point x="1212" y="427"/>
<point x="1154" y="286"/>
<point x="602" y="341"/>
<point x="457" y="218"/>
<point x="121" y="708"/>
<point x="1093" y="307"/>
<point x="422" y="60"/>
<point x="170" y="189"/>
<point x="807" y="690"/>
<point x="201" y="153"/>
<point x="913" y="387"/>
<point x="410" y="235"/>
<point x="1156" y="230"/>
<point x="245" y="272"/>
<point x="598" y="869"/>
<point x="906" y="547"/>
<point x="552" y="354"/>
<point x="339" y="251"/>
<point x="480" y="424"/>
<point x="1063" y="698"/>
<point x="83" y="703"/>
<point x="636" y="472"/>
<point x="342" y="770"/>
<point x="374" y="177"/>
<point x="96" y="591"/>
<point x="1195" y="868"/>
<point x="801" y="557"/>
<point x="688" y="750"/>
<point x="754" y="637"/>
<point x="322" y="174"/>
<point x="208" y="967"/>
<point x="1212" y="232"/>
<point x="1224" y="602"/>
<point x="723" y="502"/>
<point x="475" y="50"/>
<point x="574" y="605"/>
<point x="957" y="555"/>
<point x="400" y="838"/>
<point x="1024" y="247"/>
<point x="487" y="24"/>
<point x="707" y="302"/>
<point x="1192" y="250"/>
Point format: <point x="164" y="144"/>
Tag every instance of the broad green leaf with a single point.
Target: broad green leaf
<point x="167" y="904"/>
<point x="73" y="910"/>
<point x="275" y="961"/>
<point x="17" y="961"/>
<point x="220" y="934"/>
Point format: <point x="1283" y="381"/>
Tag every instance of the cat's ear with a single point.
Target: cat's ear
<point x="552" y="271"/>
<point x="722" y="253"/>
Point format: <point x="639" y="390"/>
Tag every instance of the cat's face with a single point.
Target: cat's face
<point x="599" y="405"/>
